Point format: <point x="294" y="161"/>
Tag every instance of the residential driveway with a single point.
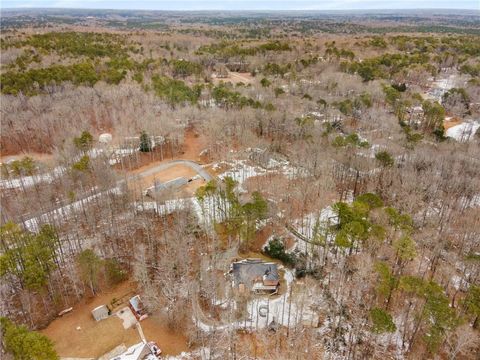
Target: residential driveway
<point x="191" y="164"/>
<point x="31" y="222"/>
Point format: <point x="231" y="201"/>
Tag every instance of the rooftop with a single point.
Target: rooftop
<point x="139" y="351"/>
<point x="251" y="271"/>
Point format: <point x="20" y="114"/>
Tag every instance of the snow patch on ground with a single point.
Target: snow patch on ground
<point x="114" y="157"/>
<point x="278" y="309"/>
<point x="464" y="131"/>
<point x="28" y="181"/>
<point x="65" y="211"/>
<point x="441" y="86"/>
<point x="311" y="224"/>
<point x="241" y="170"/>
<point x="203" y="353"/>
<point x="459" y="283"/>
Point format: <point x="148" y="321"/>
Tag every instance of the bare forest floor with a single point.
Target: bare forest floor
<point x="192" y="147"/>
<point x="97" y="338"/>
<point x="235" y="78"/>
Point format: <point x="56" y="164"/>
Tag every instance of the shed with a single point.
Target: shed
<point x="168" y="185"/>
<point x="137" y="307"/>
<point x="100" y="312"/>
<point x="105" y="138"/>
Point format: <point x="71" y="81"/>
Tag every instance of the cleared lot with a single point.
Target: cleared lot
<point x="97" y="338"/>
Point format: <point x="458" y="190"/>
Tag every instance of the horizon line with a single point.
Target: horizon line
<point x="235" y="10"/>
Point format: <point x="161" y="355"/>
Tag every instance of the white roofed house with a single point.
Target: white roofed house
<point x="140" y="351"/>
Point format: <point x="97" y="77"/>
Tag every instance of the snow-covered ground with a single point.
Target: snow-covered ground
<point x="64" y="211"/>
<point x="114" y="156"/>
<point x="441" y="86"/>
<point x="208" y="211"/>
<point x="202" y="353"/>
<point x="312" y="225"/>
<point x="28" y="181"/>
<point x="166" y="207"/>
<point x="460" y="283"/>
<point x="262" y="310"/>
<point x="464" y="131"/>
<point x="309" y="225"/>
<point x="241" y="170"/>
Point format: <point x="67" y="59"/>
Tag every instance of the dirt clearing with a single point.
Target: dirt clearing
<point x="235" y="78"/>
<point x="451" y="122"/>
<point x="94" y="339"/>
<point x="171" y="173"/>
<point x="194" y="144"/>
<point x="241" y="77"/>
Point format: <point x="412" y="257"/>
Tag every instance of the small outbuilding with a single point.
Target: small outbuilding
<point x="100" y="312"/>
<point x="168" y="185"/>
<point x="105" y="138"/>
<point x="137" y="307"/>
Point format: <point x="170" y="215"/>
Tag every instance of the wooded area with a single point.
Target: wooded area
<point x="345" y="152"/>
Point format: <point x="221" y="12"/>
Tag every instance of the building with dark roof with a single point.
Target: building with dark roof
<point x="255" y="275"/>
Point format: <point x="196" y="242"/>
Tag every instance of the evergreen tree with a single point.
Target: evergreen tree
<point x="83" y="164"/>
<point x="434" y="115"/>
<point x="405" y="248"/>
<point x="24" y="344"/>
<point x="28" y="257"/>
<point x="388" y="282"/>
<point x="265" y="82"/>
<point x="145" y="143"/>
<point x="472" y="303"/>
<point x="384" y="158"/>
<point x="84" y="141"/>
<point x="381" y="321"/>
<point x="436" y="314"/>
<point x="276" y="250"/>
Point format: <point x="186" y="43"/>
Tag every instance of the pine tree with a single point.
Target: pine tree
<point x="405" y="248"/>
<point x="24" y="344"/>
<point x="84" y="141"/>
<point x="382" y="321"/>
<point x="472" y="303"/>
<point x="145" y="144"/>
<point x="388" y="282"/>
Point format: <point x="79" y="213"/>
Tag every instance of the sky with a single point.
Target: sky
<point x="243" y="4"/>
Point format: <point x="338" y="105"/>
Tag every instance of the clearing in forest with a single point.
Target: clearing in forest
<point x="93" y="339"/>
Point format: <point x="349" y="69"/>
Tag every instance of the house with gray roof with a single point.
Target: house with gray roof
<point x="255" y="275"/>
